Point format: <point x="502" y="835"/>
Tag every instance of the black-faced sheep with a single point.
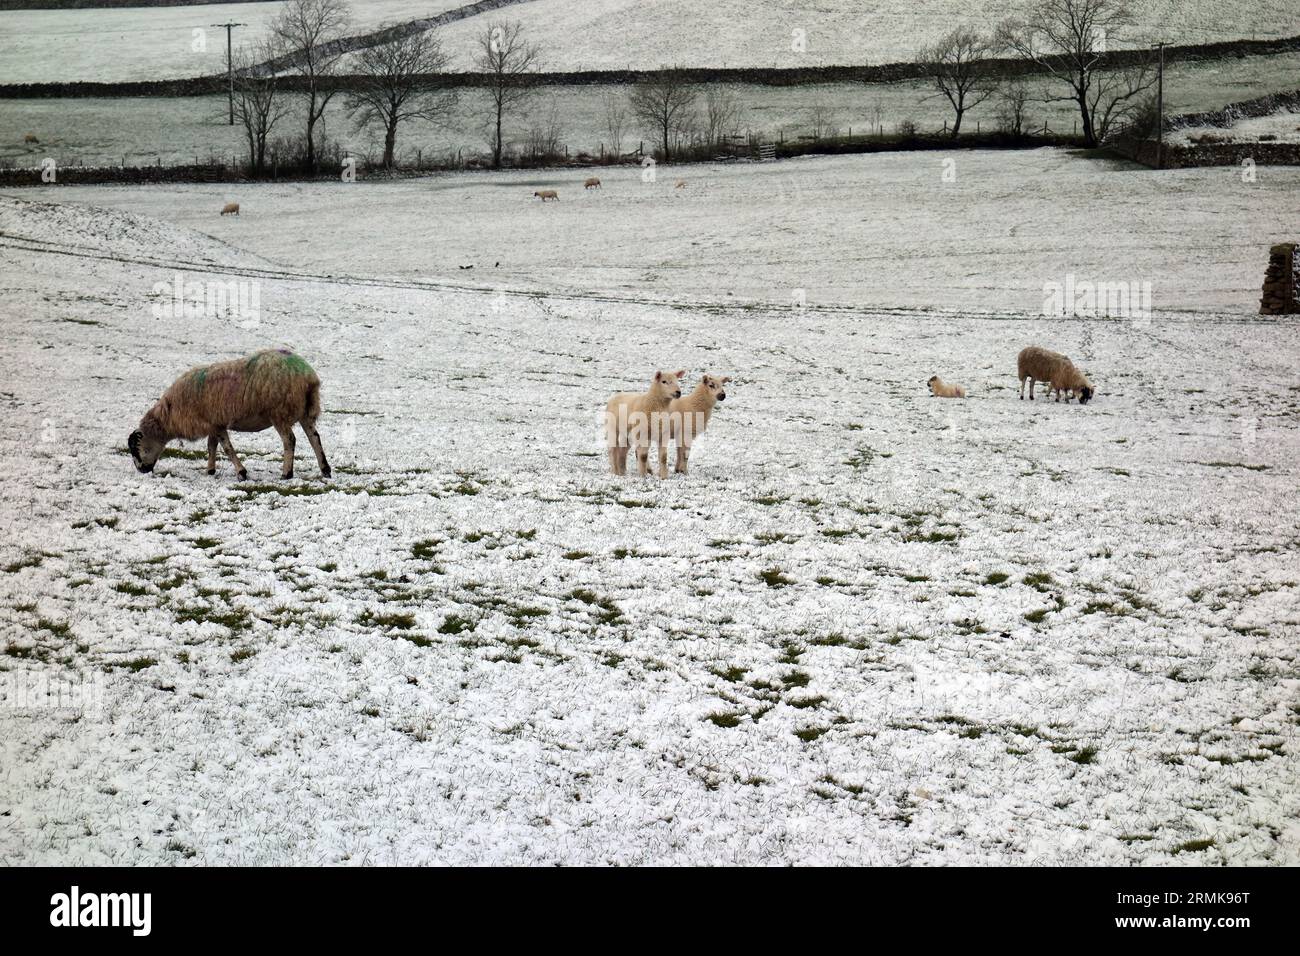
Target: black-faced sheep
<point x="273" y="388"/>
<point x="1043" y="365"/>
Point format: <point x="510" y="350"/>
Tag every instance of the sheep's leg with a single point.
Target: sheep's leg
<point x="1031" y="388"/>
<point x="212" y="454"/>
<point x="313" y="436"/>
<point x="290" y="443"/>
<point x="663" y="460"/>
<point x="683" y="452"/>
<point x="643" y="459"/>
<point x="1022" y="389"/>
<point x="240" y="471"/>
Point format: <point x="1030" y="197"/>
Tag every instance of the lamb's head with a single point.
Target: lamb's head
<point x="147" y="443"/>
<point x="668" y="385"/>
<point x="717" y="386"/>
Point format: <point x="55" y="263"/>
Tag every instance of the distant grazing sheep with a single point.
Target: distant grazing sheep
<point x="1044" y="365"/>
<point x="271" y="388"/>
<point x="941" y="389"/>
<point x="688" y="417"/>
<point x="30" y="138"/>
<point x="230" y="208"/>
<point x="592" y="183"/>
<point x="681" y="184"/>
<point x="545" y="194"/>
<point x="635" y="419"/>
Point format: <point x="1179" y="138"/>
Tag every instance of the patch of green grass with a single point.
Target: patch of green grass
<point x="205" y="543"/>
<point x="419" y="640"/>
<point x="1233" y="464"/>
<point x="609" y="612"/>
<point x="1036" y="616"/>
<point x="724" y="720"/>
<point x="1192" y="846"/>
<point x="398" y="620"/>
<point x="997" y="577"/>
<point x="576" y="555"/>
<point x="235" y="619"/>
<point x="57" y="628"/>
<point x="733" y="673"/>
<point x="1085" y="755"/>
<point x="769" y="500"/>
<point x="456" y="624"/>
<point x="243" y="654"/>
<point x="809" y="734"/>
<point x="131" y="588"/>
<point x="137" y="664"/>
<point x="774" y="578"/>
<point x="804" y="703"/>
<point x="1039" y="580"/>
<point x="30" y="561"/>
<point x="829" y="640"/>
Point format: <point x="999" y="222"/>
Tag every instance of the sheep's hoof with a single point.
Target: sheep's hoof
<point x="327" y="472"/>
<point x="242" y="475"/>
<point x="287" y="477"/>
<point x="212" y="471"/>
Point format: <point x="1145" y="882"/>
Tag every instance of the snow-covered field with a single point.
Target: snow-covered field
<point x="868" y="627"/>
<point x="883" y="230"/>
<point x="1281" y="127"/>
<point x="157" y="43"/>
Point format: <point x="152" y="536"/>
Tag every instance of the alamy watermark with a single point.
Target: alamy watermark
<point x="76" y="692"/>
<point x="239" y="300"/>
<point x="1130" y="300"/>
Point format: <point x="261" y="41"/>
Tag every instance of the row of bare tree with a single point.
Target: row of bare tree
<point x="397" y="82"/>
<point x="1068" y="40"/>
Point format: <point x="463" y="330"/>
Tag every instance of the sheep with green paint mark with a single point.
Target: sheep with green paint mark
<point x="273" y="388"/>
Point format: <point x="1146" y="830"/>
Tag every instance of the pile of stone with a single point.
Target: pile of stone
<point x="1282" y="281"/>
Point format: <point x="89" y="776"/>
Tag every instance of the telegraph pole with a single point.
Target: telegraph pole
<point x="1160" y="109"/>
<point x="230" y="70"/>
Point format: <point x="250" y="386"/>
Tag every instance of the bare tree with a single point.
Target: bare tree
<point x="397" y="84"/>
<point x="1068" y="39"/>
<point x="258" y="103"/>
<point x="1013" y="101"/>
<point x="615" y="120"/>
<point x="665" y="102"/>
<point x="722" y="112"/>
<point x="956" y="68"/>
<point x="821" y="121"/>
<point x="308" y="31"/>
<point x="545" y="133"/>
<point x="505" y="57"/>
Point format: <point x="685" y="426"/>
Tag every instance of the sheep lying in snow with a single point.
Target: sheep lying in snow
<point x="688" y="417"/>
<point x="635" y="419"/>
<point x="30" y="138"/>
<point x="1044" y="365"/>
<point x="545" y="194"/>
<point x="592" y="183"/>
<point x="941" y="389"/>
<point x="230" y="208"/>
<point x="271" y="388"/>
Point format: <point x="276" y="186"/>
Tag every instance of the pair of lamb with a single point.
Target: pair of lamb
<point x="660" y="415"/>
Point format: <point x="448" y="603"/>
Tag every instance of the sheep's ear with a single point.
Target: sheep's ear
<point x="681" y="373"/>
<point x="726" y="379"/>
<point x="133" y="442"/>
<point x="659" y="376"/>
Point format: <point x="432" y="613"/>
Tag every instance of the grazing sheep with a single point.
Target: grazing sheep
<point x="230" y="208"/>
<point x="545" y="194"/>
<point x="681" y="184"/>
<point x="635" y="419"/>
<point x="1069" y="379"/>
<point x="688" y="417"/>
<point x="1044" y="365"/>
<point x="271" y="388"/>
<point x="592" y="183"/>
<point x="30" y="138"/>
<point x="941" y="389"/>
